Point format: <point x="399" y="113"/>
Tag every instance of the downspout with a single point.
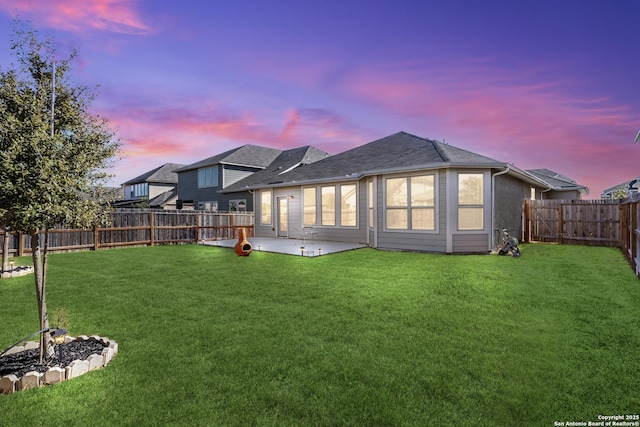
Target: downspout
<point x="493" y="204"/>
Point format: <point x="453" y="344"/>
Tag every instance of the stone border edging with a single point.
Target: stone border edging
<point x="17" y="271"/>
<point x="11" y="383"/>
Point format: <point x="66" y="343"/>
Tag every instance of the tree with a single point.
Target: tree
<point x="53" y="153"/>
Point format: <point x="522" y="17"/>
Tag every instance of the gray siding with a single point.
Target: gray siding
<point x="470" y="243"/>
<point x="510" y="194"/>
<point x="233" y="174"/>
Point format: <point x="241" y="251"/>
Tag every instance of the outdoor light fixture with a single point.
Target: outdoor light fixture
<point x="319" y="251"/>
<point x="302" y="250"/>
<point x="58" y="335"/>
<point x="259" y="247"/>
<point x="58" y="338"/>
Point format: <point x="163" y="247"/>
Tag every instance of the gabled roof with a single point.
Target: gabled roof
<point x="247" y="155"/>
<point x="398" y="152"/>
<point x="163" y="198"/>
<point x="165" y="174"/>
<point x="624" y="185"/>
<point x="286" y="162"/>
<point x="558" y="182"/>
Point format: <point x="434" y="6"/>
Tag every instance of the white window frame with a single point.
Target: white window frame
<point x="309" y="203"/>
<point x="408" y="206"/>
<point x="476" y="202"/>
<point x="266" y="207"/>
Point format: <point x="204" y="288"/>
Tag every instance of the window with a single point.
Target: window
<point x="208" y="206"/>
<point x="348" y="215"/>
<point x="470" y="201"/>
<point x="370" y="201"/>
<point x="139" y="190"/>
<point x="309" y="206"/>
<point x="238" y="205"/>
<point x="328" y="205"/>
<point x="265" y="207"/>
<point x="410" y="203"/>
<point x="208" y="177"/>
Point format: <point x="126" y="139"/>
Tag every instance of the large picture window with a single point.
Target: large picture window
<point x="265" y="207"/>
<point x="470" y="201"/>
<point x="410" y="203"/>
<point x="208" y="177"/>
<point x="309" y="205"/>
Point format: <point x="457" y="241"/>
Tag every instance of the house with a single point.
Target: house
<point x="153" y="189"/>
<point x="401" y="192"/>
<point x="622" y="190"/>
<point x="560" y="186"/>
<point x="201" y="185"/>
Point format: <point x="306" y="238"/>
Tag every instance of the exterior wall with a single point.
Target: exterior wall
<point x="409" y="240"/>
<point x="510" y="194"/>
<point x="446" y="238"/>
<point x="157" y="189"/>
<point x="296" y="230"/>
<point x="562" y="195"/>
<point x="468" y="241"/>
<point x="232" y="174"/>
<point x="188" y="189"/>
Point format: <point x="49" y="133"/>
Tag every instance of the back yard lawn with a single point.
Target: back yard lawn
<point x="356" y="338"/>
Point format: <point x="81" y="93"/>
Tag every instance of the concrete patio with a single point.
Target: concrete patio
<point x="312" y="248"/>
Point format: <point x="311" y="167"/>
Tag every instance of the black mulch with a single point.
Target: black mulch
<point x="29" y="360"/>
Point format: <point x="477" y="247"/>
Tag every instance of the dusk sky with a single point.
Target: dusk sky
<point x="540" y="84"/>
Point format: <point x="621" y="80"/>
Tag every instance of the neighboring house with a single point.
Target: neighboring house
<point x="153" y="189"/>
<point x="560" y="186"/>
<point x="630" y="187"/>
<point x="402" y="192"/>
<point x="199" y="183"/>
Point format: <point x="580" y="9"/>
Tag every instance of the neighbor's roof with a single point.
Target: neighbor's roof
<point x="165" y="174"/>
<point x="606" y="193"/>
<point x="287" y="161"/>
<point x="558" y="182"/>
<point x="163" y="198"/>
<point x="398" y="152"/>
<point x="247" y="155"/>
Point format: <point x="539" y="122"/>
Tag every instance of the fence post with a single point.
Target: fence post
<point x="96" y="238"/>
<point x="525" y="227"/>
<point x="197" y="227"/>
<point x="151" y="228"/>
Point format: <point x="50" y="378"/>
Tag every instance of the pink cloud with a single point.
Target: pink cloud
<point x="531" y="124"/>
<point x="190" y="126"/>
<point x="118" y="16"/>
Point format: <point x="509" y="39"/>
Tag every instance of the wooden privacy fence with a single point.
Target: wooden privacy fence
<point x="141" y="227"/>
<point x="611" y="223"/>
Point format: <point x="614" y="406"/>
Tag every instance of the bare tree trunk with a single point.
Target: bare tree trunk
<point x="5" y="249"/>
<point x="46" y="342"/>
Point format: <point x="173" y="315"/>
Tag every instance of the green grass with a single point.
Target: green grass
<point x="358" y="338"/>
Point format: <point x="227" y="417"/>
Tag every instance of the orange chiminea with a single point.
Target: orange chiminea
<point x="243" y="247"/>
